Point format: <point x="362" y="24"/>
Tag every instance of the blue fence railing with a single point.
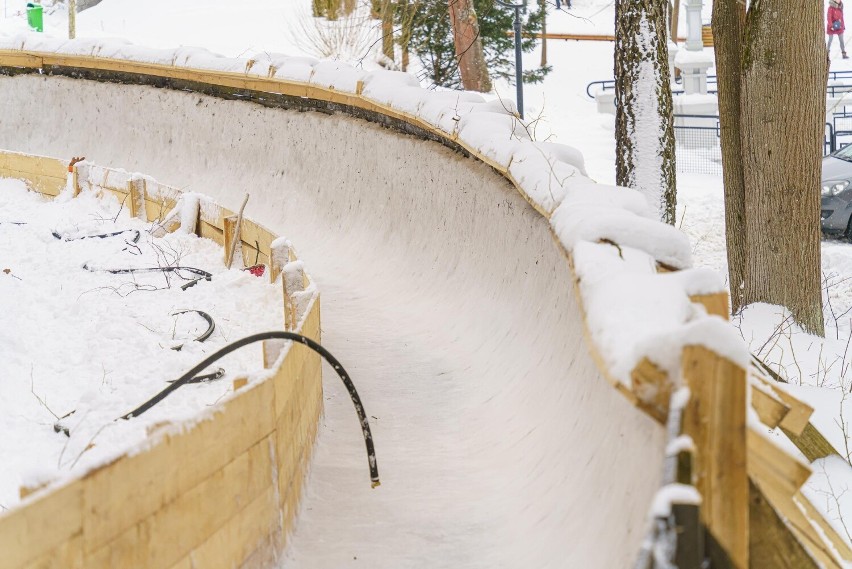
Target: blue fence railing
<point x="698" y="143"/>
<point x="839" y="82"/>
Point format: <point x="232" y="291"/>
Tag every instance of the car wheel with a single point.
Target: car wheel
<point x="848" y="233"/>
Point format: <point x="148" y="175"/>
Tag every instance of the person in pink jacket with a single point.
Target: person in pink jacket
<point x="835" y="25"/>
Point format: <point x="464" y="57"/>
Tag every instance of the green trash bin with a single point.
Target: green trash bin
<point x="35" y="16"/>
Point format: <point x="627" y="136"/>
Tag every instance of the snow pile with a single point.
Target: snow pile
<point x="92" y="345"/>
<point x="623" y="294"/>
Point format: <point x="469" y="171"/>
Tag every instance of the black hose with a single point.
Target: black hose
<point x="210" y="326"/>
<point x="101" y="235"/>
<point x="204" y="378"/>
<point x="203" y="275"/>
<point x="278" y="335"/>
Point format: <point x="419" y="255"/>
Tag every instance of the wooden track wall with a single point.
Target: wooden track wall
<point x="219" y="493"/>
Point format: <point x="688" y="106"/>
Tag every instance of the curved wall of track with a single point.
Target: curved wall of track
<point x="518" y="451"/>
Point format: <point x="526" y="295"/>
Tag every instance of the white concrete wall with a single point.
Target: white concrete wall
<point x="446" y="298"/>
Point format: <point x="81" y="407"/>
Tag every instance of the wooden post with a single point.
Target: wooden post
<point x="279" y="253"/>
<point x="715" y="418"/>
<point x="232" y="242"/>
<point x="136" y="197"/>
<point x="294" y="282"/>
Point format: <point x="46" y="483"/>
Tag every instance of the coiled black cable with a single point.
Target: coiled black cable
<point x="278" y="335"/>
<point x="210" y="326"/>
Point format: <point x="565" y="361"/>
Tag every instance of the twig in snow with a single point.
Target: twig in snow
<point x="40" y="400"/>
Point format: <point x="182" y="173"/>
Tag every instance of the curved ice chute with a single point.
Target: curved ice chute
<point x="336" y="75"/>
<point x="574" y="223"/>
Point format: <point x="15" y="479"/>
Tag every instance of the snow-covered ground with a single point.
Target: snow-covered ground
<point x="567" y="116"/>
<point x="69" y="349"/>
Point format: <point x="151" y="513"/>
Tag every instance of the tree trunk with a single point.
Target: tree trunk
<point x="728" y="24"/>
<point x="387" y="29"/>
<point x="542" y="5"/>
<point x="783" y="116"/>
<point x="644" y="128"/>
<point x="471" y="59"/>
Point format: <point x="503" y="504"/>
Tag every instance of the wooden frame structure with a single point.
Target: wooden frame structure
<point x="751" y="501"/>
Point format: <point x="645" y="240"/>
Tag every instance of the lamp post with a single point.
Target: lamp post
<point x="519" y="70"/>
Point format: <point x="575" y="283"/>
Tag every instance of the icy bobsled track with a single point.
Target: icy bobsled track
<point x="503" y="439"/>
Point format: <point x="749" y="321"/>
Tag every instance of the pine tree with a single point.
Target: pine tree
<point x="432" y="40"/>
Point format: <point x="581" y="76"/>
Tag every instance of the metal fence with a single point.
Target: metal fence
<point x="698" y="149"/>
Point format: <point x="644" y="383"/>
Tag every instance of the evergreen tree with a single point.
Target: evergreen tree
<point x="432" y="40"/>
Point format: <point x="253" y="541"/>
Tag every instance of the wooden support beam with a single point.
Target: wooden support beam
<point x="689" y="553"/>
<point x="715" y="418"/>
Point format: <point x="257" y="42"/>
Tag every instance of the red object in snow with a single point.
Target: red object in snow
<point x="256" y="270"/>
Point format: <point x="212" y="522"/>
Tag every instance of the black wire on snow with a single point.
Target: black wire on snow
<point x="278" y="335"/>
<point x="202" y="378"/>
<point x="202" y="275"/>
<point x="101" y="235"/>
<point x="210" y="326"/>
<point x="13" y="222"/>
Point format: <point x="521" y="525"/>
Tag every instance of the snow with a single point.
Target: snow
<point x="673" y="494"/>
<point x="551" y="174"/>
<point x="69" y="350"/>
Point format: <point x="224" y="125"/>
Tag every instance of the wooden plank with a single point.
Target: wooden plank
<point x="840" y="545"/>
<point x="797" y="419"/>
<point x="772" y="544"/>
<point x="769" y="465"/>
<point x="176" y="528"/>
<point x="653" y="388"/>
<point x="799" y="525"/>
<point x="770" y="409"/>
<point x="716" y="304"/>
<point x="715" y="418"/>
<point x="121" y="494"/>
<point x="242" y="534"/>
<point x="40" y="524"/>
<point x="811" y="442"/>
<point x="68" y="555"/>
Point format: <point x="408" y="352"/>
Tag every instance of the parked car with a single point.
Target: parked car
<point x="836" y="207"/>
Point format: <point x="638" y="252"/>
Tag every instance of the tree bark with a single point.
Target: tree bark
<point x="542" y="5"/>
<point x="644" y="126"/>
<point x="468" y="44"/>
<point x="728" y="23"/>
<point x="387" y="29"/>
<point x="783" y="116"/>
